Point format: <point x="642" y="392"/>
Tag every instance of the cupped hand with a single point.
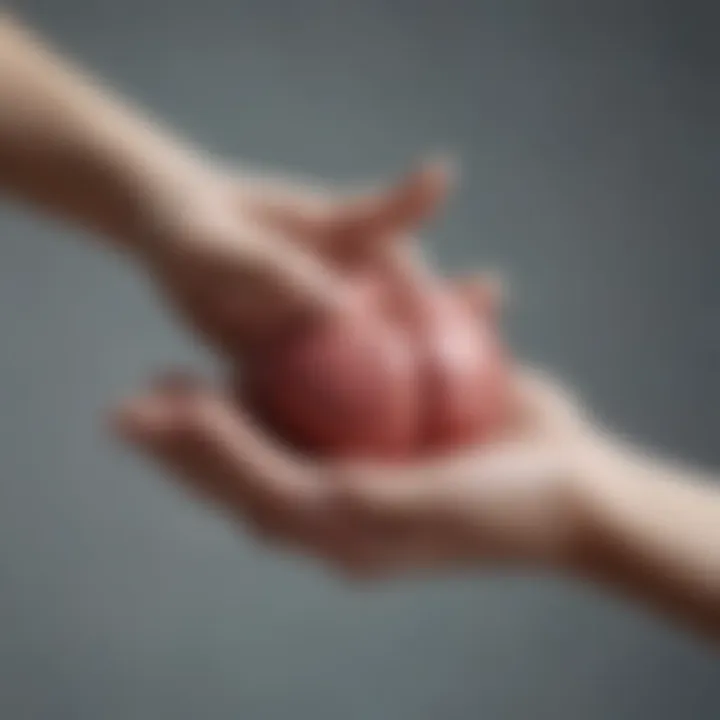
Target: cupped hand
<point x="241" y="256"/>
<point x="510" y="500"/>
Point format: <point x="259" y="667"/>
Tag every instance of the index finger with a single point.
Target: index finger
<point x="216" y="444"/>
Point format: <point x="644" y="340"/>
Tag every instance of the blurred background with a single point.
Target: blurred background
<point x="590" y="137"/>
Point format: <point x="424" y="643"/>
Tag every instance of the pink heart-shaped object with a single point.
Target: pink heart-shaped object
<point x="406" y="370"/>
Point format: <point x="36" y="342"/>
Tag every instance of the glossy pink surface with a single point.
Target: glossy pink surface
<point x="405" y="370"/>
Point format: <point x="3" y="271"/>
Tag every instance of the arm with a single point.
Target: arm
<point x="67" y="145"/>
<point x="651" y="529"/>
<point x="556" y="494"/>
<point x="236" y="256"/>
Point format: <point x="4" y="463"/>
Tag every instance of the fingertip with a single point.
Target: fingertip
<point x="140" y="420"/>
<point x="160" y="411"/>
<point x="401" y="208"/>
<point x="484" y="293"/>
<point x="439" y="170"/>
<point x="423" y="189"/>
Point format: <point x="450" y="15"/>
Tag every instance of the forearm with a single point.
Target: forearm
<point x="652" y="530"/>
<point x="69" y="147"/>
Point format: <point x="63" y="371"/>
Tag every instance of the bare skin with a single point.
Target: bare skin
<point x="239" y="256"/>
<point x="236" y="253"/>
<point x="556" y="493"/>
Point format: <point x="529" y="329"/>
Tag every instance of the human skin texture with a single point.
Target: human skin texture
<point x="554" y="492"/>
<point x="236" y="253"/>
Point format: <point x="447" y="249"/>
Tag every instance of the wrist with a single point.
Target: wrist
<point x="601" y="477"/>
<point x="585" y="468"/>
<point x="536" y="514"/>
<point x="83" y="155"/>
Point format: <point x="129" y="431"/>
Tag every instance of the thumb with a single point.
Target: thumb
<point x="288" y="279"/>
<point x="363" y="223"/>
<point x="264" y="282"/>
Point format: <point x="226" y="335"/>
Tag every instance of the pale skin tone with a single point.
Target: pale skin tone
<point x="239" y="257"/>
<point x="237" y="253"/>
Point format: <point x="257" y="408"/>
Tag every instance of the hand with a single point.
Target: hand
<point x="512" y="500"/>
<point x="236" y="256"/>
<point x="239" y="257"/>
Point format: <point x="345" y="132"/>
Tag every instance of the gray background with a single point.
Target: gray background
<point x="589" y="132"/>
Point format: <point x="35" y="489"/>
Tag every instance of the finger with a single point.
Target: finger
<point x="363" y="223"/>
<point x="416" y="198"/>
<point x="171" y="424"/>
<point x="292" y="283"/>
<point x="204" y="433"/>
<point x="347" y="228"/>
<point x="408" y="279"/>
<point x="483" y="293"/>
<point x="257" y="282"/>
<point x="156" y="423"/>
<point x="413" y="284"/>
<point x="297" y="207"/>
<point x="319" y="529"/>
